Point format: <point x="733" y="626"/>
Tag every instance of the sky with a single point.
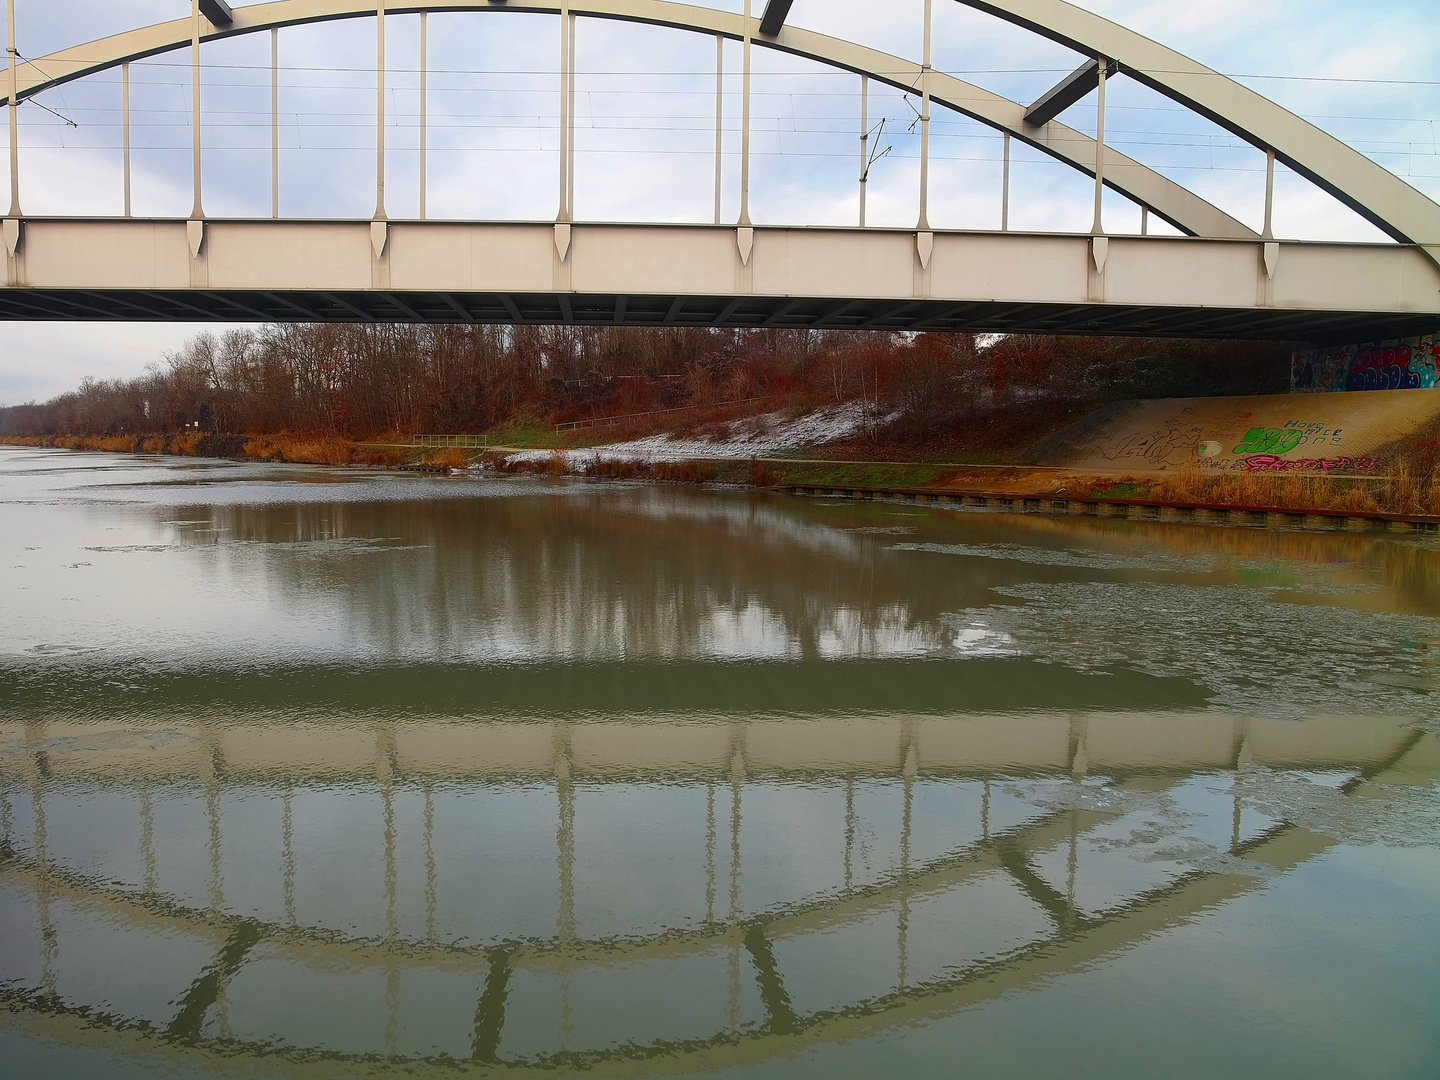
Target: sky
<point x="1367" y="73"/>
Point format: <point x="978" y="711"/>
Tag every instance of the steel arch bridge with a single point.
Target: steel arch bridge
<point x="1220" y="278"/>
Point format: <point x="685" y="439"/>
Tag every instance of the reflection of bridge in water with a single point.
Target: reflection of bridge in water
<point x="462" y="890"/>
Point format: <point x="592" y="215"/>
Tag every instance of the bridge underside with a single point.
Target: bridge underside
<point x="601" y="309"/>
<point x="690" y="275"/>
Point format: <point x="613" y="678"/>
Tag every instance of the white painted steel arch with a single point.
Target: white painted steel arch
<point x="1379" y="195"/>
<point x="1171" y="201"/>
<point x="1384" y="199"/>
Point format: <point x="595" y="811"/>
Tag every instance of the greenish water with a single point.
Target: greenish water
<point x="310" y="772"/>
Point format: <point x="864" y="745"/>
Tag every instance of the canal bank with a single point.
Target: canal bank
<point x="1371" y="459"/>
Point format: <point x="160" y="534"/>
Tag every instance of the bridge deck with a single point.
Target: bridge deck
<point x="695" y="275"/>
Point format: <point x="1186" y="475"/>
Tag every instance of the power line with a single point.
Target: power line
<point x="702" y="123"/>
<point x="701" y="153"/>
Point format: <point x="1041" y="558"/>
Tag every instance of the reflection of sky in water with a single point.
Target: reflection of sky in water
<point x="238" y="562"/>
<point x="773" y="786"/>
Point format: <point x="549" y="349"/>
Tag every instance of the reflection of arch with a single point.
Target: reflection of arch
<point x="1181" y="208"/>
<point x="1073" y="935"/>
<point x="1076" y="939"/>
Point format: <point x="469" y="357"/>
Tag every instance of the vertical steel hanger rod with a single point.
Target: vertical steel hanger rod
<point x="719" y="119"/>
<point x="125" y="130"/>
<point x="1005" y="187"/>
<point x="1269" y="230"/>
<point x="864" y="142"/>
<point x="10" y="56"/>
<point x="274" y="121"/>
<point x="745" y="123"/>
<point x="197" y="212"/>
<point x="380" y="110"/>
<point x="1098" y="228"/>
<point x="924" y="223"/>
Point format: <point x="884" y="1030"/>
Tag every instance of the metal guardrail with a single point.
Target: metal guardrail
<point x="468" y="442"/>
<point x="603" y="420"/>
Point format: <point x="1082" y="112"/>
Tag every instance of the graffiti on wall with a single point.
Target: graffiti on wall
<point x="1259" y="440"/>
<point x="1275" y="463"/>
<point x="1263" y="449"/>
<point x="1213" y="440"/>
<point x="1404" y="364"/>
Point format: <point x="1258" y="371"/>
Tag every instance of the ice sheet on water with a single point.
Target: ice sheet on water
<point x="1253" y="654"/>
<point x="1087" y="560"/>
<point x="1391" y="815"/>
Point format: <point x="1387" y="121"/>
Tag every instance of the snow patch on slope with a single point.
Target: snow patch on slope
<point x="766" y="435"/>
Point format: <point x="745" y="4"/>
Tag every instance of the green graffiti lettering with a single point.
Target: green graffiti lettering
<point x="1268" y="441"/>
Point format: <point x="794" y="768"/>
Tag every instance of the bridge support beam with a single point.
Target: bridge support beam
<point x="1066" y="92"/>
<point x="773" y="21"/>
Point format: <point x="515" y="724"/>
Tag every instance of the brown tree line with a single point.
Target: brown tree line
<point x="370" y="380"/>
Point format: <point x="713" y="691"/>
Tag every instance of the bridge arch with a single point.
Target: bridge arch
<point x="1220" y="280"/>
<point x="1401" y="211"/>
<point x="1378" y="195"/>
<point x="1171" y="202"/>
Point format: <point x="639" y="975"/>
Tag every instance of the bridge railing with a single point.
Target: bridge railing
<point x="468" y="442"/>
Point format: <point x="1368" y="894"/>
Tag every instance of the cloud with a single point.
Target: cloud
<point x="43" y="359"/>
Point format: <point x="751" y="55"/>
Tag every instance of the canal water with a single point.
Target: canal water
<point x="333" y="773"/>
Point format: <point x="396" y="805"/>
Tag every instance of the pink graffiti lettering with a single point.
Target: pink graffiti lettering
<point x="1274" y="463"/>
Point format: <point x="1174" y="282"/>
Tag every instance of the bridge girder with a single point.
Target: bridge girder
<point x="640" y="275"/>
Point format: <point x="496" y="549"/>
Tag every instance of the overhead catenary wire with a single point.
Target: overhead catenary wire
<point x="673" y="123"/>
<point x="709" y="73"/>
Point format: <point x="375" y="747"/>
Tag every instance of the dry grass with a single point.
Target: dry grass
<point x="685" y="472"/>
<point x="302" y="449"/>
<point x="453" y="458"/>
<point x="761" y="475"/>
<point x="1290" y="491"/>
<point x="616" y="469"/>
<point x="1410" y="485"/>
